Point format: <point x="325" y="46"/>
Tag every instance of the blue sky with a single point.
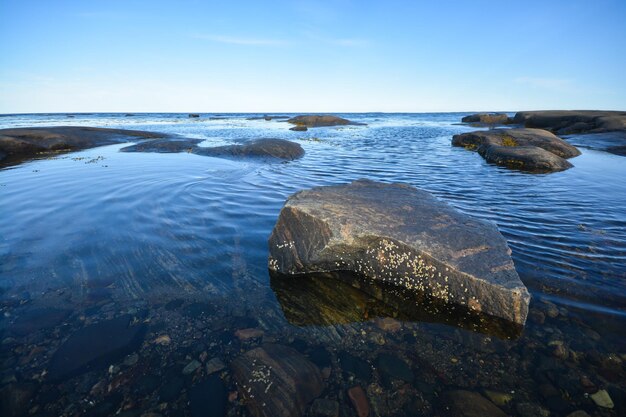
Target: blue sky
<point x="311" y="56"/>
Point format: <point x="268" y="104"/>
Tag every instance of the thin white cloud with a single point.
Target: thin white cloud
<point x="234" y="40"/>
<point x="556" y="84"/>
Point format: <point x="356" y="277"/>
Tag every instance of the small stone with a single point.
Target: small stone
<point x="232" y="396"/>
<point x="214" y="365"/>
<point x="246" y="334"/>
<point x="578" y="413"/>
<point x="359" y="401"/>
<point x="551" y="310"/>
<point x="602" y="399"/>
<point x="498" y="398"/>
<point x="131" y="360"/>
<point x="560" y="351"/>
<point x="323" y="407"/>
<point x="203" y="356"/>
<point x="191" y="367"/>
<point x="388" y="324"/>
<point x="531" y="410"/>
<point x="163" y="340"/>
<point x="536" y="316"/>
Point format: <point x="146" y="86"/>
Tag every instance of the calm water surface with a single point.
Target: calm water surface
<point x="178" y="243"/>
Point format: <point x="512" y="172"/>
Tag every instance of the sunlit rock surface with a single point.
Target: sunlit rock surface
<point x="532" y="150"/>
<point x="486" y="118"/>
<point x="320" y="121"/>
<point x="399" y="235"/>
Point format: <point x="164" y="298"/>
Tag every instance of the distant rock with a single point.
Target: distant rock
<point x="276" y="381"/>
<point x="532" y="150"/>
<point x="194" y="115"/>
<point x="460" y="403"/>
<point x="402" y="236"/>
<point x="568" y="122"/>
<point x="299" y="128"/>
<point x="486" y="118"/>
<point x="20" y="144"/>
<point x="95" y="346"/>
<point x="267" y="148"/>
<point x="320" y="121"/>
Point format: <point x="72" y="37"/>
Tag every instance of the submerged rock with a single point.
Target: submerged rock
<point x="532" y="150"/>
<point x="169" y="145"/>
<point x="35" y="319"/>
<point x="276" y="381"/>
<point x="268" y="148"/>
<point x="208" y="398"/>
<point x="19" y="144"/>
<point x="486" y="118"/>
<point x="299" y="128"/>
<point x="402" y="236"/>
<point x="95" y="346"/>
<point x="460" y="403"/>
<point x="320" y="121"/>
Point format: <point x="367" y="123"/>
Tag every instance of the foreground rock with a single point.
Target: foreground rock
<point x="276" y="381"/>
<point x="267" y="148"/>
<point x="402" y="236"/>
<point x="532" y="150"/>
<point x="95" y="346"/>
<point x="567" y="122"/>
<point x="486" y="118"/>
<point x="17" y="145"/>
<point x="320" y="121"/>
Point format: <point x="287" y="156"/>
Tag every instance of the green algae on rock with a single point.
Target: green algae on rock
<point x="399" y="235"/>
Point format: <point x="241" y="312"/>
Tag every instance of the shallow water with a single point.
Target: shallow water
<point x="102" y="233"/>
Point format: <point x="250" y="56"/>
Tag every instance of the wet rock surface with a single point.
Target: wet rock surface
<point x="20" y="144"/>
<point x="276" y="381"/>
<point x="532" y="150"/>
<point x="461" y="403"/>
<point x="95" y="346"/>
<point x="612" y="142"/>
<point x="264" y="148"/>
<point x="259" y="148"/>
<point x="320" y="121"/>
<point x="401" y="236"/>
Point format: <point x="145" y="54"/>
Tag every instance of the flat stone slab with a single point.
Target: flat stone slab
<point x="257" y="148"/>
<point x="95" y="346"/>
<point x="276" y="381"/>
<point x="403" y="236"/>
<point x="612" y="142"/>
<point x="320" y="121"/>
<point x="531" y="150"/>
<point x="20" y="144"/>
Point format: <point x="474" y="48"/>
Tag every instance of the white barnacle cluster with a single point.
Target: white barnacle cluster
<point x="273" y="264"/>
<point x="260" y="375"/>
<point x="387" y="262"/>
<point x="289" y="245"/>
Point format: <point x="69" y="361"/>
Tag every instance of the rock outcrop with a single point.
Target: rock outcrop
<point x="261" y="148"/>
<point x="532" y="150"/>
<point x="486" y="118"/>
<point x="402" y="236"/>
<point x="276" y="381"/>
<point x="20" y="144"/>
<point x="320" y="121"/>
<point x="567" y="122"/>
<point x="266" y="148"/>
<point x="299" y="128"/>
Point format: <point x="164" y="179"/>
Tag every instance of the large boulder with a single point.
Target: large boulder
<point x="267" y="148"/>
<point x="19" y="144"/>
<point x="401" y="236"/>
<point x="533" y="150"/>
<point x="168" y="145"/>
<point x="319" y="121"/>
<point x="486" y="118"/>
<point x="276" y="381"/>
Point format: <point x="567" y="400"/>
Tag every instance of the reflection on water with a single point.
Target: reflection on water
<point x="324" y="299"/>
<point x="168" y="253"/>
